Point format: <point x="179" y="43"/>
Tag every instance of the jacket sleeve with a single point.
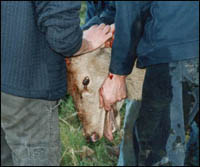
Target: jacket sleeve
<point x="59" y="21"/>
<point x="91" y="10"/>
<point x="107" y="16"/>
<point x="127" y="33"/>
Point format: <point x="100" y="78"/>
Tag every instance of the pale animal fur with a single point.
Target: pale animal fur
<point x="95" y="65"/>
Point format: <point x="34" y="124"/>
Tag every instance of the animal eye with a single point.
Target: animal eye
<point x="86" y="81"/>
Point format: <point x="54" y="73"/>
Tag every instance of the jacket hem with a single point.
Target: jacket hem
<point x="169" y="54"/>
<point x="36" y="94"/>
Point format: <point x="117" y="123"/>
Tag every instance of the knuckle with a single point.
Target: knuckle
<point x="108" y="109"/>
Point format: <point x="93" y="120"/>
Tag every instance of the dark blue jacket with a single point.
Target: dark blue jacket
<point x="35" y="39"/>
<point x="170" y="32"/>
<point x="99" y="12"/>
<point x="154" y="32"/>
<point x="95" y="8"/>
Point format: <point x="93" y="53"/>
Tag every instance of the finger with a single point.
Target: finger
<point x="107" y="106"/>
<point x="94" y="26"/>
<point x="121" y="98"/>
<point x="101" y="26"/>
<point x="124" y="97"/>
<point x="106" y="29"/>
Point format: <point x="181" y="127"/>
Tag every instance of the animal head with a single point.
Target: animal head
<point x="85" y="75"/>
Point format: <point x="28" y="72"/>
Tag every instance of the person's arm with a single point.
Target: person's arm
<point x="129" y="26"/>
<point x="124" y="46"/>
<point x="94" y="37"/>
<point x="123" y="55"/>
<point x="60" y="22"/>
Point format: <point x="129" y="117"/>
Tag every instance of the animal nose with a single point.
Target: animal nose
<point x="94" y="137"/>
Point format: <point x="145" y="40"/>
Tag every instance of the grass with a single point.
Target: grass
<point x="73" y="142"/>
<point x="76" y="151"/>
<point x="83" y="12"/>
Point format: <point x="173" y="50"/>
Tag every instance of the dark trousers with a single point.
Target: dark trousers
<point x="29" y="132"/>
<point x="170" y="95"/>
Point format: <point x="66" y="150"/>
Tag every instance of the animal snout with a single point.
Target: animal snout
<point x="93" y="138"/>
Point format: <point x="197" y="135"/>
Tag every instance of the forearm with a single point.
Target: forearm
<point x="124" y="47"/>
<point x="59" y="22"/>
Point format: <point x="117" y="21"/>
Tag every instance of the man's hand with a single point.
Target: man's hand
<point x="112" y="90"/>
<point x="94" y="38"/>
<point x="97" y="35"/>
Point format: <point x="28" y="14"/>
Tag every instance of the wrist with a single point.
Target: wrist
<point x="113" y="76"/>
<point x="88" y="43"/>
<point x="89" y="46"/>
<point x="85" y="47"/>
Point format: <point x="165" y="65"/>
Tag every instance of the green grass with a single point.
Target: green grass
<point x="83" y="13"/>
<point x="72" y="140"/>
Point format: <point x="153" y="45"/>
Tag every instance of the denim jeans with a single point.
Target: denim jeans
<point x="169" y="103"/>
<point x="29" y="132"/>
<point x="169" y="100"/>
<point x="127" y="155"/>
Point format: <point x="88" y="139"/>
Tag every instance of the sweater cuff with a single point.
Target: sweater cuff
<point x="121" y="66"/>
<point x="75" y="48"/>
<point x="115" y="69"/>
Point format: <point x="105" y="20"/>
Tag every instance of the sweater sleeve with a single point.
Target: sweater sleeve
<point x="126" y="37"/>
<point x="59" y="21"/>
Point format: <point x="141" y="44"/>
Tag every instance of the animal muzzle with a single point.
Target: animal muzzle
<point x="110" y="126"/>
<point x="94" y="137"/>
